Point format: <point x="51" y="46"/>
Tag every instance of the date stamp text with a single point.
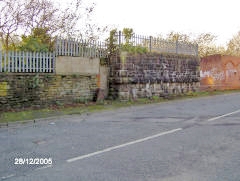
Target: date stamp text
<point x="32" y="161"/>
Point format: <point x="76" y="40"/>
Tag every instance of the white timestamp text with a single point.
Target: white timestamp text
<point x="33" y="161"/>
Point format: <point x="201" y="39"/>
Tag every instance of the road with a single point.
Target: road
<point x="184" y="140"/>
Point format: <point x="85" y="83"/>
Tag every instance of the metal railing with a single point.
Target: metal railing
<point x="157" y="44"/>
<point x="44" y="62"/>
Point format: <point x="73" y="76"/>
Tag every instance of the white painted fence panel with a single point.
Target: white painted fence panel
<point x="27" y="62"/>
<point x="80" y="48"/>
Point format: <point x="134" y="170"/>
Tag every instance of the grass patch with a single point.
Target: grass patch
<point x="60" y="110"/>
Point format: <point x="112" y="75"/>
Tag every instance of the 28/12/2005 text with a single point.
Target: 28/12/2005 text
<point x="33" y="161"/>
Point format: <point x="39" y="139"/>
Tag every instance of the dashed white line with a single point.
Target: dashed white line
<point x="224" y="115"/>
<point x="140" y="140"/>
<point x="126" y="144"/>
<point x="12" y="175"/>
<point x="7" y="177"/>
<point x="122" y="145"/>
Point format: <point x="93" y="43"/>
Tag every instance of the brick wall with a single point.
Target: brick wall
<point x="145" y="75"/>
<point x="220" y="72"/>
<point x="41" y="90"/>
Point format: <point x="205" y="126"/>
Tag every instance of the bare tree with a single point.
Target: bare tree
<point x="234" y="45"/>
<point x="207" y="45"/>
<point x="205" y="41"/>
<point x="23" y="16"/>
<point x="39" y="14"/>
<point x="176" y="36"/>
<point x="11" y="19"/>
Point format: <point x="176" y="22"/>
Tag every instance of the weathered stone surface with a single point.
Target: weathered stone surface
<point x="153" y="74"/>
<point x="40" y="90"/>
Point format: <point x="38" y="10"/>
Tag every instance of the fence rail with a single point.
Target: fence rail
<point x="44" y="62"/>
<point x="80" y="48"/>
<point x="157" y="44"/>
<point x="18" y="61"/>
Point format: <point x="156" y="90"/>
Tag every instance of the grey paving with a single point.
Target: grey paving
<point x="202" y="150"/>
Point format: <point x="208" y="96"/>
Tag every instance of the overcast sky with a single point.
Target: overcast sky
<point x="153" y="17"/>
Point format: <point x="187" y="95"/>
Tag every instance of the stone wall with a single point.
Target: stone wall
<point x="19" y="91"/>
<point x="220" y="72"/>
<point x="133" y="76"/>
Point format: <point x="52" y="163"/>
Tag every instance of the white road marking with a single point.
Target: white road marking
<point x="7" y="177"/>
<point x="122" y="145"/>
<point x="224" y="115"/>
<point x="140" y="140"/>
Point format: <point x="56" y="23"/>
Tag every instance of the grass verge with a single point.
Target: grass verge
<point x="7" y="117"/>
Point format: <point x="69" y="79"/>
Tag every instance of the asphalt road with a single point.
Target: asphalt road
<point x="186" y="140"/>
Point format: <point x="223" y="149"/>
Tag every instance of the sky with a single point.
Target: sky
<point x="154" y="17"/>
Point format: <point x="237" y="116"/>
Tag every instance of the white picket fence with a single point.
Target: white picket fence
<point x="18" y="61"/>
<point x="44" y="62"/>
<point x="80" y="48"/>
